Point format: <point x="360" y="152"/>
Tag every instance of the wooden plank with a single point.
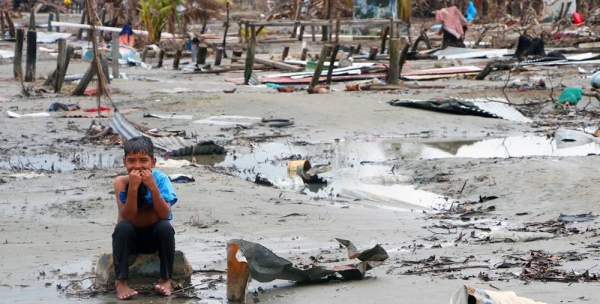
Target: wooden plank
<point x="278" y="65"/>
<point x="349" y="22"/>
<point x="589" y="45"/>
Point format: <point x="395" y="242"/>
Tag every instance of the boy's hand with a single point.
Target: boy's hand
<point x="135" y="178"/>
<point x="148" y="179"/>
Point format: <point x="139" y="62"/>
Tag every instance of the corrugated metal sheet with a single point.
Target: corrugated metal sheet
<point x="501" y="108"/>
<point x="176" y="145"/>
<point x="496" y="108"/>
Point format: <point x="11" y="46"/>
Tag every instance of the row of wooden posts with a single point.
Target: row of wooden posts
<point x="65" y="54"/>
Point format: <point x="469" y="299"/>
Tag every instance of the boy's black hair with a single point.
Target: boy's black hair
<point x="139" y="144"/>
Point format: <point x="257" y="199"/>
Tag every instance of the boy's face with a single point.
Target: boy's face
<point x="138" y="161"/>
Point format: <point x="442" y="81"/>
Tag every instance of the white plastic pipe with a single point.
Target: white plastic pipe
<point x="105" y="28"/>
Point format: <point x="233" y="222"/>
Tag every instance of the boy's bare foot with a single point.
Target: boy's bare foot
<point x="163" y="287"/>
<point x="124" y="292"/>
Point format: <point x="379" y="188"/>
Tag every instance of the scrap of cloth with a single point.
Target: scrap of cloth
<point x="452" y="21"/>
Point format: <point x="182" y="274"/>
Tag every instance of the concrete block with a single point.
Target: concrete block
<point x="144" y="270"/>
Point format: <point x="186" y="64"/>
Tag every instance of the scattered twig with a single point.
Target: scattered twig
<point x="463" y="186"/>
<point x="262" y="136"/>
<point x="447" y="269"/>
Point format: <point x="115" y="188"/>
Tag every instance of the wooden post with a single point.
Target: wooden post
<point x="60" y="75"/>
<point x="2" y="30"/>
<point x="373" y="53"/>
<point x="58" y="20"/>
<point x="226" y="29"/>
<point x="304" y="53"/>
<point x="327" y="9"/>
<point x="60" y="63"/>
<point x="236" y="54"/>
<point x="246" y="31"/>
<point x="238" y="275"/>
<point x="286" y="51"/>
<point x="249" y="60"/>
<point x="296" y="17"/>
<point x="336" y="48"/>
<point x="426" y="39"/>
<point x="31" y="56"/>
<point x="392" y="26"/>
<point x="201" y="54"/>
<point x="161" y="56"/>
<point x="337" y="27"/>
<point x="102" y="18"/>
<point x="115" y="54"/>
<point x="392" y="76"/>
<point x="301" y="35"/>
<point x="85" y="80"/>
<point x="18" y="67"/>
<point x="177" y="59"/>
<point x="11" y="24"/>
<point x="218" y="56"/>
<point x="145" y="53"/>
<point x="319" y="68"/>
<point x="80" y="31"/>
<point x="384" y="36"/>
<point x="403" y="52"/>
<point x="313" y="32"/>
<point x="330" y="26"/>
<point x="31" y="26"/>
<point x="104" y="64"/>
<point x="50" y="19"/>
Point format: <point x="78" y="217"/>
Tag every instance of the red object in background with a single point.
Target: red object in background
<point x="102" y="109"/>
<point x="577" y="19"/>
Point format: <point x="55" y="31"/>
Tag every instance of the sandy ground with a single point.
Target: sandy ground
<point x="54" y="226"/>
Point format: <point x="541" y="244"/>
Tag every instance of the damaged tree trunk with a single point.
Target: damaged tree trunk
<point x="177" y="59"/>
<point x="218" y="56"/>
<point x="31" y="56"/>
<point x="161" y="56"/>
<point x="225" y="34"/>
<point x="319" y="68"/>
<point x="85" y="80"/>
<point x="31" y="26"/>
<point x="334" y="53"/>
<point x="201" y="55"/>
<point x="11" y="24"/>
<point x="63" y="70"/>
<point x="384" y="35"/>
<point x="286" y="51"/>
<point x="18" y="66"/>
<point x="249" y="59"/>
<point x="373" y="53"/>
<point x="80" y="31"/>
<point x="2" y="25"/>
<point x="403" y="53"/>
<point x="60" y="63"/>
<point x="392" y="76"/>
<point x="104" y="64"/>
<point x="304" y="54"/>
<point x="115" y="54"/>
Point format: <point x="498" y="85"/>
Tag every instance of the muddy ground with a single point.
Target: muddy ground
<point x="400" y="178"/>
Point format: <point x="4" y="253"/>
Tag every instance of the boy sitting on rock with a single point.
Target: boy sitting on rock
<point x="144" y="198"/>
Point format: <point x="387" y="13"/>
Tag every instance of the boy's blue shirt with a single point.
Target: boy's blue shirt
<point x="164" y="186"/>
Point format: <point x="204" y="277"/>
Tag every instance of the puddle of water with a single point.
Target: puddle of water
<point x="61" y="161"/>
<point x="358" y="170"/>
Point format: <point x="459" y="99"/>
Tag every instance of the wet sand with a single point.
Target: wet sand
<point x="54" y="226"/>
